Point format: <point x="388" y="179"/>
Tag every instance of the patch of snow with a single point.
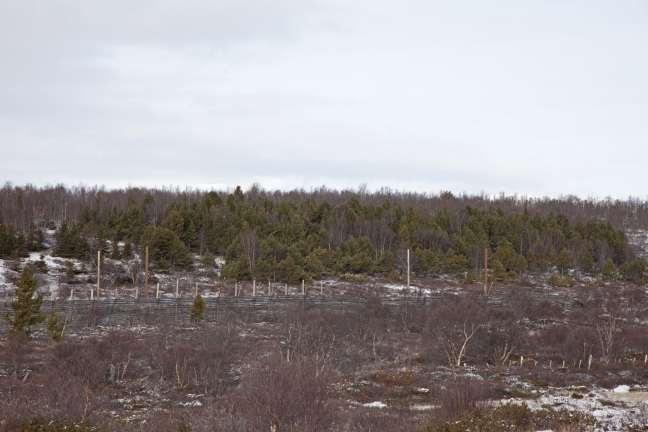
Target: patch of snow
<point x="621" y="389"/>
<point x="594" y="403"/>
<point x="474" y="376"/>
<point x="424" y="407"/>
<point x="413" y="289"/>
<point x="193" y="403"/>
<point x="376" y="404"/>
<point x="209" y="294"/>
<point x="423" y="390"/>
<point x="52" y="263"/>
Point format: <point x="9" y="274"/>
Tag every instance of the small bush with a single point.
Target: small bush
<point x="55" y="327"/>
<point x="287" y="396"/>
<point x="198" y="309"/>
<point x="461" y="396"/>
<point x="394" y="378"/>
<point x="559" y="281"/>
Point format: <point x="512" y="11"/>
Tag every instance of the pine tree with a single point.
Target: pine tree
<point x="26" y="306"/>
<point x="55" y="327"/>
<point x="198" y="309"/>
<point x="608" y="269"/>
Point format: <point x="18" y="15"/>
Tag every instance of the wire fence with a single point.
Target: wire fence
<point x="131" y="312"/>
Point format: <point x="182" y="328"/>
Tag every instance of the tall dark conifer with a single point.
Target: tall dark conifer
<point x="26" y="306"/>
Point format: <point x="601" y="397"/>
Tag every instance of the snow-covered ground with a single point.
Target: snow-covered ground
<point x="412" y="290"/>
<point x="3" y="280"/>
<point x="638" y="239"/>
<point x="52" y="263"/>
<point x="614" y="410"/>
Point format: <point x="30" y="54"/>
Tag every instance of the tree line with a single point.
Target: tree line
<point x="303" y="235"/>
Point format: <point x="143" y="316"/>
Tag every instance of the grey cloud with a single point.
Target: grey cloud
<point x="534" y="97"/>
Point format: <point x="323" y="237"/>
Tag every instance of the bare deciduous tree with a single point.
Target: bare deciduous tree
<point x="606" y="330"/>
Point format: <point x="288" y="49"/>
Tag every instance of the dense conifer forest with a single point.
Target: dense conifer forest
<point x="289" y="236"/>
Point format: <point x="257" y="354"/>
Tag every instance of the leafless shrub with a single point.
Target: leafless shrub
<point x="344" y="339"/>
<point x="15" y="354"/>
<point x="451" y="329"/>
<point x="287" y="396"/>
<point x="370" y="421"/>
<point x="498" y="341"/>
<point x="462" y="395"/>
<point x="200" y="360"/>
<point x="46" y="396"/>
<point x="607" y="330"/>
<point x="568" y="342"/>
<point x="97" y="361"/>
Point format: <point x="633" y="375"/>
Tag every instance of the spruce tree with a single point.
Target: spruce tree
<point x="198" y="309"/>
<point x="608" y="269"/>
<point x="26" y="306"/>
<point x="55" y="327"/>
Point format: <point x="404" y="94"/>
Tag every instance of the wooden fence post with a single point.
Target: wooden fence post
<point x="146" y="270"/>
<point x="98" y="271"/>
<point x="408" y="269"/>
<point x="486" y="271"/>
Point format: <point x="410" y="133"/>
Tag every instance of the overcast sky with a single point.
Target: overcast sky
<point x="521" y="96"/>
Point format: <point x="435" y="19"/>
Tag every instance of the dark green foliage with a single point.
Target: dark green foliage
<point x="634" y="271"/>
<point x="166" y="250"/>
<point x="34" y="240"/>
<point x="356" y="255"/>
<point x="293" y="236"/>
<point x="608" y="269"/>
<point x="561" y="281"/>
<point x="12" y="245"/>
<point x="55" y="327"/>
<point x="511" y="262"/>
<point x="198" y="309"/>
<point x="70" y="242"/>
<point x="26" y="306"/>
